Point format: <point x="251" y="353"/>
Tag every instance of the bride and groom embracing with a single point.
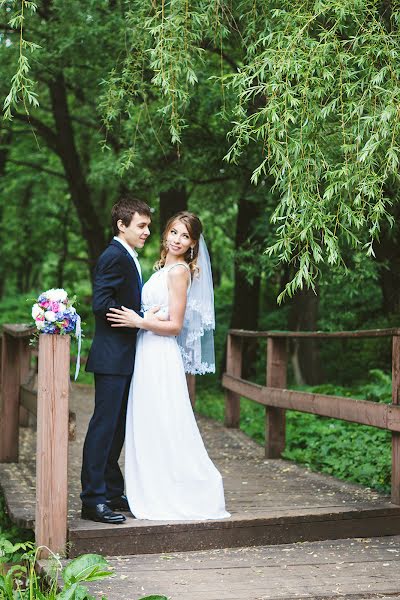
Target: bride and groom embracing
<point x="146" y="337"/>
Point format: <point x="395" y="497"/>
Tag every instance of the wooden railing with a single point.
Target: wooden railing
<point x="55" y="424"/>
<point x="276" y="398"/>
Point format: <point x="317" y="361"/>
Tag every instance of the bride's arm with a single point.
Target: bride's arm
<point x="178" y="280"/>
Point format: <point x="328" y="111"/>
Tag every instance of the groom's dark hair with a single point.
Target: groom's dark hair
<point x="124" y="210"/>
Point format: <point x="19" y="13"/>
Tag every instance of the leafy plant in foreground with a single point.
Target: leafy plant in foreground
<point x="19" y="579"/>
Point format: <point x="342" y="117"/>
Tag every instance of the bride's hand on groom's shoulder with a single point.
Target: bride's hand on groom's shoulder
<point x="123" y="317"/>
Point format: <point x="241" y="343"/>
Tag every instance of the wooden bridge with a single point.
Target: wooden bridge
<point x="272" y="501"/>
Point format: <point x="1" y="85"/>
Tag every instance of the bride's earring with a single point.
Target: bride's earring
<point x="191" y="253"/>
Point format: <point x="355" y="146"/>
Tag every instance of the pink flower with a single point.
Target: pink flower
<point x="54" y="306"/>
<point x="39" y="322"/>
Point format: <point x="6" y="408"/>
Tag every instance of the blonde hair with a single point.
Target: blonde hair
<point x="195" y="229"/>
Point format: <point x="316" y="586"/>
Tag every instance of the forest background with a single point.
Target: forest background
<point x="277" y="122"/>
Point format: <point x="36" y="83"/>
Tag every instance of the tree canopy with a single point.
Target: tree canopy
<point x="307" y="94"/>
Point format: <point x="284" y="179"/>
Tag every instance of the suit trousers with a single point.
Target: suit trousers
<point x="101" y="476"/>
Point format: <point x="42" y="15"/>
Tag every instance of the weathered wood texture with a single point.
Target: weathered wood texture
<point x="396" y="434"/>
<point x="19" y="330"/>
<point x="28" y="400"/>
<point x="52" y="442"/>
<point x="384" y="416"/>
<point x="353" y="569"/>
<point x="271" y="501"/>
<point x="367" y="333"/>
<point x="233" y="367"/>
<point x="15" y="367"/>
<point x="276" y="378"/>
<point x="24" y="370"/>
<point x="276" y="398"/>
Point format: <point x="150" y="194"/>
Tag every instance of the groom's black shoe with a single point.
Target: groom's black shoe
<point x="102" y="514"/>
<point x="119" y="503"/>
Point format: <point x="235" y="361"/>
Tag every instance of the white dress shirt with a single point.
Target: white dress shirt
<point x="132" y="252"/>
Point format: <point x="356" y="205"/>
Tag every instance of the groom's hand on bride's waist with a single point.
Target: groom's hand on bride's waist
<point x="126" y="317"/>
<point x="123" y="317"/>
<point x="154" y="313"/>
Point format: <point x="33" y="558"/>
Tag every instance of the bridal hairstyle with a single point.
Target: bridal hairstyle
<point x="124" y="210"/>
<point x="195" y="229"/>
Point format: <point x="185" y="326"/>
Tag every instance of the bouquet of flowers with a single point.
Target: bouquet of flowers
<point x="54" y="312"/>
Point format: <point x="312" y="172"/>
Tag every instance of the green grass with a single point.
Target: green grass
<point x="349" y="451"/>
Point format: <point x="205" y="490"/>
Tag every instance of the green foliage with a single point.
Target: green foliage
<point x="88" y="567"/>
<point x="319" y="91"/>
<point x="311" y="97"/>
<point x="352" y="452"/>
<point x="15" y="309"/>
<point x="154" y="598"/>
<point x="18" y="577"/>
<point x="21" y="582"/>
<point x="309" y="92"/>
<point x="9" y="531"/>
<point x="22" y="86"/>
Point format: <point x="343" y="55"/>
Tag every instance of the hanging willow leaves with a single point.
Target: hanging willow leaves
<point x="22" y="86"/>
<point x="315" y="91"/>
<point x="324" y="78"/>
<point x="316" y="98"/>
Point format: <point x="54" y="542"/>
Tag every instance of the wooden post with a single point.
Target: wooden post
<point x="395" y="435"/>
<point x="275" y="417"/>
<point x="1" y="359"/>
<point x="52" y="443"/>
<point x="9" y="420"/>
<point x="24" y="361"/>
<point x="14" y="371"/>
<point x="191" y="383"/>
<point x="233" y="367"/>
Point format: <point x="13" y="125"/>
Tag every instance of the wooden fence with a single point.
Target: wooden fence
<point x="276" y="398"/>
<point x="55" y="424"/>
<point x="48" y="402"/>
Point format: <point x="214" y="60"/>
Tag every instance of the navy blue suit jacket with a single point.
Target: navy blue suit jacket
<point x="116" y="283"/>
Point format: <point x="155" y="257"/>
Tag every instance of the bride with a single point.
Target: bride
<point x="168" y="473"/>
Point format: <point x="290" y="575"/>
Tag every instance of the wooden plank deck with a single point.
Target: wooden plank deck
<point x="271" y="501"/>
<point x="354" y="569"/>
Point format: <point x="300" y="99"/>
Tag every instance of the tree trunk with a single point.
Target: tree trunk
<point x="92" y="229"/>
<point x="246" y="296"/>
<point x="387" y="252"/>
<point x="25" y="262"/>
<point x="303" y="316"/>
<point x="62" y="259"/>
<point x="172" y="201"/>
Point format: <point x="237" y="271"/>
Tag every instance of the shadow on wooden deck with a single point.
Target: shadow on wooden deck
<point x="271" y="501"/>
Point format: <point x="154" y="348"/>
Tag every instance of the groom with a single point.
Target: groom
<point x="117" y="282"/>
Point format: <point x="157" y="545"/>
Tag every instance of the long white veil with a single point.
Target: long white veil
<point x="196" y="339"/>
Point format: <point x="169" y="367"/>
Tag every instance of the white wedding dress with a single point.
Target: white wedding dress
<point x="168" y="473"/>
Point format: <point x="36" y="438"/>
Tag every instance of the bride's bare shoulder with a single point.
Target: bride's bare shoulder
<point x="179" y="273"/>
